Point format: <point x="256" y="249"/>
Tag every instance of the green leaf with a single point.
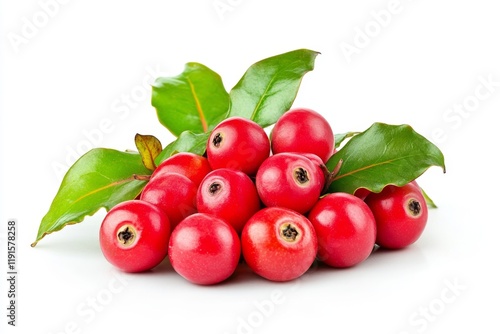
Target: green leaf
<point x="269" y="87"/>
<point x="195" y="100"/>
<point x="430" y="203"/>
<point x="384" y="154"/>
<point x="100" y="178"/>
<point x="341" y="137"/>
<point x="149" y="147"/>
<point x="187" y="142"/>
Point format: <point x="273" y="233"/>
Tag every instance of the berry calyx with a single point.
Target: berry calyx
<point x="289" y="233"/>
<point x="126" y="235"/>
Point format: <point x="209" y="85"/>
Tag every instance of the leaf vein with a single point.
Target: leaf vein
<point x="198" y="106"/>
<point x="264" y="94"/>
<point x="385" y="162"/>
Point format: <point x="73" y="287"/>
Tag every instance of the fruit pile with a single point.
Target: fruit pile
<point x="248" y="178"/>
<point x="261" y="198"/>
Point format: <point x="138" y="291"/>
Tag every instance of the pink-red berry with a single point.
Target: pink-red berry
<point x="228" y="194"/>
<point x="303" y="130"/>
<point x="204" y="249"/>
<point x="345" y="228"/>
<point x="238" y="143"/>
<point x="195" y="167"/>
<point x="279" y="244"/>
<point x="289" y="180"/>
<point x="174" y="193"/>
<point x="134" y="236"/>
<point x="401" y="215"/>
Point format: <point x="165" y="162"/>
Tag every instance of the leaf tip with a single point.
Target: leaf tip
<point x="38" y="238"/>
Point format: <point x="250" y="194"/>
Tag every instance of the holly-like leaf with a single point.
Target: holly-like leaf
<point x="149" y="147"/>
<point x="187" y="142"/>
<point x="195" y="100"/>
<point x="101" y="178"/>
<point x="383" y="154"/>
<point x="269" y="87"/>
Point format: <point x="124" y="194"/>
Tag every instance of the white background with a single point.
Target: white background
<point x="80" y="64"/>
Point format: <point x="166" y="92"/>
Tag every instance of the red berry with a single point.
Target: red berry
<point x="204" y="249"/>
<point x="291" y="181"/>
<point x="230" y="195"/>
<point x="313" y="157"/>
<point x="279" y="244"/>
<point x="134" y="236"/>
<point x="401" y="215"/>
<point x="303" y="130"/>
<point x="362" y="193"/>
<point x="238" y="143"/>
<point x="173" y="193"/>
<point x="191" y="165"/>
<point x="345" y="228"/>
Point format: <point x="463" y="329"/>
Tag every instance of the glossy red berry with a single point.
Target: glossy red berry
<point x="134" y="236"/>
<point x="195" y="167"/>
<point x="238" y="143"/>
<point x="279" y="244"/>
<point x="173" y="193"/>
<point x="204" y="249"/>
<point x="345" y="228"/>
<point x="313" y="157"/>
<point x="230" y="195"/>
<point x="401" y="215"/>
<point x="289" y="180"/>
<point x="362" y="193"/>
<point x="303" y="130"/>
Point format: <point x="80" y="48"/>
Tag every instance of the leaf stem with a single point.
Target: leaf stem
<point x="141" y="177"/>
<point x="330" y="177"/>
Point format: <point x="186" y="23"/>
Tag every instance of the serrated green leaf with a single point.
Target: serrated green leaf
<point x="101" y="178"/>
<point x="149" y="148"/>
<point x="195" y="100"/>
<point x="269" y="87"/>
<point x="187" y="142"/>
<point x="383" y="154"/>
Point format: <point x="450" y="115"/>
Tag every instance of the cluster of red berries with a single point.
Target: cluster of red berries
<point x="205" y="212"/>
